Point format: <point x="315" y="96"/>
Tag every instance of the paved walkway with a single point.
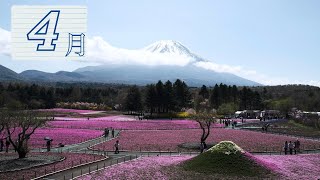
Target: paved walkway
<point x="80" y="147"/>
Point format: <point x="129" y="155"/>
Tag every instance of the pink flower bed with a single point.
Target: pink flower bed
<point x="146" y="167"/>
<point x="71" y="159"/>
<point x="292" y="166"/>
<point x="59" y="135"/>
<point x="143" y="124"/>
<point x="170" y="139"/>
<point x="106" y="118"/>
<point x="62" y="135"/>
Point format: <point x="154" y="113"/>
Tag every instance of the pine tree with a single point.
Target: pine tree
<point x="133" y="100"/>
<point x="204" y="92"/>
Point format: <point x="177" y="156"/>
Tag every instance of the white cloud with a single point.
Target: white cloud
<point x="102" y="52"/>
<point x="5" y="39"/>
<point x="253" y="75"/>
<point x="223" y="68"/>
<point x="98" y="50"/>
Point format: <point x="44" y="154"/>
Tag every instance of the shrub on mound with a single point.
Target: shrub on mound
<point x="226" y="147"/>
<point x="228" y="159"/>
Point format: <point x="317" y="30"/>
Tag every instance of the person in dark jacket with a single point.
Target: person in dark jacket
<point x="116" y="145"/>
<point x="1" y="145"/>
<point x="291" y="147"/>
<point x="286" y="147"/>
<point x="7" y="144"/>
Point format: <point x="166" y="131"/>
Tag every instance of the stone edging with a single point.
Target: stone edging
<point x="49" y="174"/>
<point x="62" y="159"/>
<point x="108" y="166"/>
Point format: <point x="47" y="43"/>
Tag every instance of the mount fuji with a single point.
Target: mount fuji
<point x="173" y="48"/>
<point x="163" y="60"/>
<point x="141" y="74"/>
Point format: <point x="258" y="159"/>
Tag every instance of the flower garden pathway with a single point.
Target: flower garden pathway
<point x="113" y="158"/>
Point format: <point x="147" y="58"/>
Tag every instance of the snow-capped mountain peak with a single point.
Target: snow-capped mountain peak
<point x="167" y="46"/>
<point x="172" y="47"/>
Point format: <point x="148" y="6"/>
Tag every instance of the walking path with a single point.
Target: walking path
<point x="80" y="147"/>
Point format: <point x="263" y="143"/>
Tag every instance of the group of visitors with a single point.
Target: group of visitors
<point x="107" y="131"/>
<point x="2" y="144"/>
<point x="228" y="122"/>
<point x="106" y="134"/>
<point x="292" y="147"/>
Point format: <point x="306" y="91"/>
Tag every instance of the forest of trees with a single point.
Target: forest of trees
<point x="25" y="96"/>
<point x="167" y="97"/>
<point x="161" y="97"/>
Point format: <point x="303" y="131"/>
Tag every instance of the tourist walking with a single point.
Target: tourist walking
<point x="296" y="146"/>
<point x="291" y="147"/>
<point x="116" y="145"/>
<point x="1" y="145"/>
<point x="112" y="132"/>
<point x="106" y="132"/>
<point x="286" y="147"/>
<point x="7" y="144"/>
<point x="49" y="144"/>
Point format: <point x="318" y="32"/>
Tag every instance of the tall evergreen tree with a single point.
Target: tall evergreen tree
<point x="133" y="100"/>
<point x="160" y="96"/>
<point x="215" y="97"/>
<point x="182" y="94"/>
<point x="168" y="96"/>
<point x="150" y="97"/>
<point x="204" y="92"/>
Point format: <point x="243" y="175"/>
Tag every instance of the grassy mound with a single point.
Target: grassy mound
<point x="225" y="158"/>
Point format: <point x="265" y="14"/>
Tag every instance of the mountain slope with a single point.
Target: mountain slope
<point x="61" y="76"/>
<point x="143" y="74"/>
<point x="9" y="75"/>
<point x="139" y="74"/>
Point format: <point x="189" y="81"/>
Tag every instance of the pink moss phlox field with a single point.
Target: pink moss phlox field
<point x="296" y="167"/>
<point x="269" y="165"/>
<point x="62" y="135"/>
<point x="146" y="167"/>
<point x="106" y="118"/>
<point x="131" y="125"/>
<point x="59" y="135"/>
<point x="165" y="140"/>
<point x="71" y="159"/>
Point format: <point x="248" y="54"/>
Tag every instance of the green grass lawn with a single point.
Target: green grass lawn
<point x="290" y="127"/>
<point x="233" y="165"/>
<point x="293" y="128"/>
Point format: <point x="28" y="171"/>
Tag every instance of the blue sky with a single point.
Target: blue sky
<point x="278" y="39"/>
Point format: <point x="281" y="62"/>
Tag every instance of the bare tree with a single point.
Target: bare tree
<point x="205" y="117"/>
<point x="205" y="121"/>
<point x="20" y="125"/>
